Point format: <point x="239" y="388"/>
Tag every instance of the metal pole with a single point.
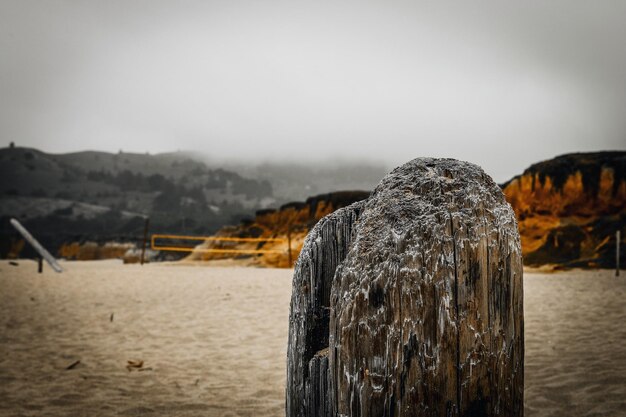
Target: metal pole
<point x="36" y="245"/>
<point x="145" y="237"/>
<point x="618" y="239"/>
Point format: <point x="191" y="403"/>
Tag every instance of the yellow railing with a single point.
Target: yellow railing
<point x="154" y="245"/>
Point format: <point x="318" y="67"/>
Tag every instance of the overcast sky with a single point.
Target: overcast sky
<point x="501" y="84"/>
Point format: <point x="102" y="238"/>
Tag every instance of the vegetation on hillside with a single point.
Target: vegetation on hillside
<point x="101" y="196"/>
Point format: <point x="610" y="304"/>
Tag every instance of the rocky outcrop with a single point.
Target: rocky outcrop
<point x="569" y="209"/>
<point x="291" y="222"/>
<point x="410" y="302"/>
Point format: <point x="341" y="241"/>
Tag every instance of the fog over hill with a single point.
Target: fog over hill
<point x="293" y="181"/>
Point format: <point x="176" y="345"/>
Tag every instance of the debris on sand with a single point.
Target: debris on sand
<point x="134" y="365"/>
<point x="73" y="365"/>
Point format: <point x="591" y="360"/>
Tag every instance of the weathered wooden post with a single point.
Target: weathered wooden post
<point x="410" y="303"/>
<point x="40" y="264"/>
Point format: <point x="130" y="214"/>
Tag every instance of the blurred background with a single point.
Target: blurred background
<point x="201" y="115"/>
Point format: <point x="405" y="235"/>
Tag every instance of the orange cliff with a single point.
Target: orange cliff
<point x="569" y="208"/>
<point x="290" y="223"/>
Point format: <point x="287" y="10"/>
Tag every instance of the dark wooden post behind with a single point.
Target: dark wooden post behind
<point x="410" y="303"/>
<point x="325" y="247"/>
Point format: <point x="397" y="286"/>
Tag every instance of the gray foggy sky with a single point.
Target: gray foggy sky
<point x="501" y="84"/>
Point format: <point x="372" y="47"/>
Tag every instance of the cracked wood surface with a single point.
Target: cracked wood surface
<point x="410" y="303"/>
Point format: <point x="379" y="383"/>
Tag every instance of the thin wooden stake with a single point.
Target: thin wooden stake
<point x="145" y="238"/>
<point x="40" y="264"/>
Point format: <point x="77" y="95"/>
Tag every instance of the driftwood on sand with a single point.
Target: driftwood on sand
<point x="410" y="303"/>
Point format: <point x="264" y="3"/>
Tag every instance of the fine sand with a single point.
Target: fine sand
<point x="213" y="341"/>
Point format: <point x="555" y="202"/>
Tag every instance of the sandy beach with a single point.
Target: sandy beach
<point x="213" y="341"/>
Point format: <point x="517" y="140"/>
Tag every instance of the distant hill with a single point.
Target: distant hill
<point x="89" y="174"/>
<point x="102" y="196"/>
<point x="569" y="208"/>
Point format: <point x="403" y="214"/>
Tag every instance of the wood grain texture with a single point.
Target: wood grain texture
<point x="426" y="313"/>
